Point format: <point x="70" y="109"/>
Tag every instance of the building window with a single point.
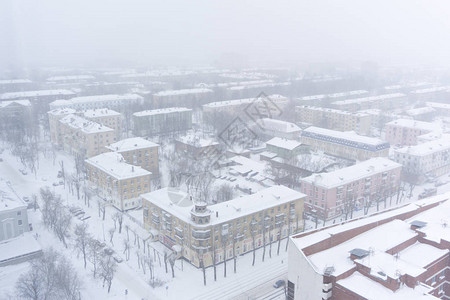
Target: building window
<point x="19" y="222"/>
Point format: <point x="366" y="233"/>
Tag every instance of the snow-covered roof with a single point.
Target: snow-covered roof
<point x="349" y="174"/>
<point x="14" y="81"/>
<point x="349" y="93"/>
<point x="8" y="200"/>
<point x="370" y="289"/>
<point x="84" y="125"/>
<point x="130" y="144"/>
<point x="431" y="90"/>
<point x="18" y="247"/>
<point x="32" y="94"/>
<point x="408" y="123"/>
<point x="278" y="125"/>
<point x="159" y="73"/>
<point x="351" y="137"/>
<point x="438" y="105"/>
<point x="228" y="210"/>
<point x="195" y="140"/>
<point x="244" y="87"/>
<point x="312" y="97"/>
<point x="331" y="110"/>
<point x="101" y="98"/>
<point x="426" y="148"/>
<point x="371" y="240"/>
<point x="20" y="102"/>
<point x="70" y="77"/>
<point x="237" y="102"/>
<point x="100" y="112"/>
<point x="183" y="92"/>
<point x="62" y="111"/>
<point x="161" y="111"/>
<point x="114" y="165"/>
<point x="419" y="111"/>
<point x="370" y="99"/>
<point x="421" y="254"/>
<point x="283" y="143"/>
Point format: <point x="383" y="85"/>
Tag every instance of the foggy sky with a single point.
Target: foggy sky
<point x="59" y="32"/>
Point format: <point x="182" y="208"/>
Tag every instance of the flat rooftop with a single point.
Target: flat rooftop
<point x="130" y="144"/>
<point x="114" y="164"/>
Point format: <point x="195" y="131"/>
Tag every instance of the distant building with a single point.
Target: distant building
<point x="422" y="113"/>
<point x="439" y="93"/>
<point x="15" y="85"/>
<point x="196" y="146"/>
<point x="13" y="214"/>
<point x="106" y="117"/>
<point x="334" y="119"/>
<point x="201" y="232"/>
<point x="442" y="109"/>
<point x="139" y="152"/>
<point x="344" y="144"/>
<point x="187" y="97"/>
<point x="14" y="114"/>
<point x="117" y="181"/>
<point x="269" y="127"/>
<point x="385" y="102"/>
<point x="117" y="102"/>
<point x="83" y="137"/>
<point x="53" y="118"/>
<point x="399" y="254"/>
<point x="40" y="99"/>
<point x="428" y="159"/>
<point x="285" y="148"/>
<point x="162" y="121"/>
<point x="405" y="132"/>
<point x="330" y="195"/>
<point x="325" y="99"/>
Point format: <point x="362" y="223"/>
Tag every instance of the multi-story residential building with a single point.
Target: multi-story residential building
<point x="439" y="93"/>
<point x="106" y="117"/>
<point x="441" y="108"/>
<point x="13" y="214"/>
<point x="326" y="99"/>
<point x="15" y="85"/>
<point x="285" y="148"/>
<point x="203" y="233"/>
<point x="118" y="102"/>
<point x="53" y="119"/>
<point x="41" y="99"/>
<point x="329" y="195"/>
<point x="269" y="128"/>
<point x="233" y="107"/>
<point x="385" y="102"/>
<point x="425" y="113"/>
<point x="428" y="159"/>
<point x="196" y="147"/>
<point x="404" y="132"/>
<point x="14" y="113"/>
<point x="188" y="97"/>
<point x="334" y="119"/>
<point x="83" y="137"/>
<point x="344" y="144"/>
<point x="399" y="254"/>
<point x="162" y="121"/>
<point x="139" y="152"/>
<point x="117" y="181"/>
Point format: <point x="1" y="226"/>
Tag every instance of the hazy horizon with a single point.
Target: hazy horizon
<point x="103" y="33"/>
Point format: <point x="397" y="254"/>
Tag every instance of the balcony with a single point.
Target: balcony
<point x="201" y="234"/>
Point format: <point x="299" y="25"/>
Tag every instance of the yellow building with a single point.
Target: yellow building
<point x="139" y="152"/>
<point x="202" y="233"/>
<point x="83" y="137"/>
<point x="334" y="119"/>
<point x="106" y="117"/>
<point x="117" y="181"/>
<point x="53" y="118"/>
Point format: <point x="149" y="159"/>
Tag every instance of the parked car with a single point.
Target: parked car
<point x="439" y="183"/>
<point x="118" y="259"/>
<point x="26" y="199"/>
<point x="108" y="251"/>
<point x="279" y="283"/>
<point x="59" y="174"/>
<point x="428" y="193"/>
<point x="55" y="184"/>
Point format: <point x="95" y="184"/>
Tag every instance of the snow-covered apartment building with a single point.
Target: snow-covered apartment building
<point x="139" y="152"/>
<point x="15" y="85"/>
<point x="397" y="255"/>
<point x="187" y="97"/>
<point x="237" y="106"/>
<point x="334" y="119"/>
<point x="384" y="102"/>
<point x="437" y="93"/>
<point x="39" y="99"/>
<point x="285" y="148"/>
<point x="98" y="102"/>
<point x="162" y="121"/>
<point x="195" y="146"/>
<point x="404" y="132"/>
<point x="325" y="99"/>
<point x="14" y="112"/>
<point x="116" y="180"/>
<point x="441" y="108"/>
<point x="83" y="137"/>
<point x="106" y="117"/>
<point x="201" y="232"/>
<point x="269" y="128"/>
<point x="344" y="144"/>
<point x="329" y="195"/>
<point x="431" y="158"/>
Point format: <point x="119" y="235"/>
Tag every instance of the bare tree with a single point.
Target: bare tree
<point x="108" y="268"/>
<point x="111" y="232"/>
<point x="82" y="238"/>
<point x="95" y="254"/>
<point x="126" y="249"/>
<point x="253" y="231"/>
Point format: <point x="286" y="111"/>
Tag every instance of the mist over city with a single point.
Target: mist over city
<point x="282" y="150"/>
